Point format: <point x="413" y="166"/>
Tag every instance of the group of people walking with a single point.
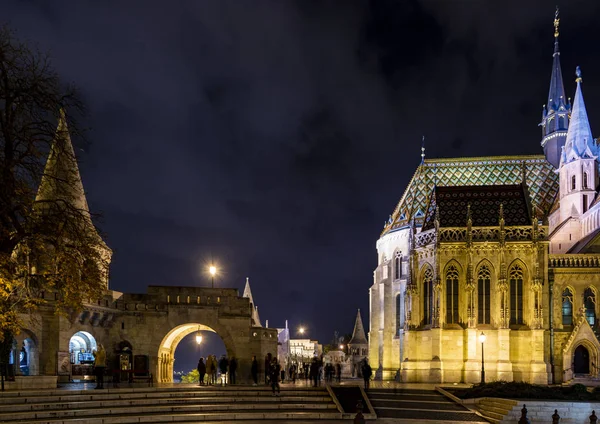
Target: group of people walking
<point x="207" y="371"/>
<point x="274" y="373"/>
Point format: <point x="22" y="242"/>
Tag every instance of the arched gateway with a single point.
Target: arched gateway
<point x="151" y="325"/>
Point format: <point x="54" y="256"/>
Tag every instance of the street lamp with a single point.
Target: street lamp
<point x="341" y="347"/>
<point x="198" y="337"/>
<point x="213" y="271"/>
<point x="482" y="338"/>
<point x="301" y="330"/>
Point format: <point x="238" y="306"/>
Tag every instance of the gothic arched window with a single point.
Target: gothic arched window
<point x="584" y="182"/>
<point x="516" y="295"/>
<point x="399" y="314"/>
<point x="483" y="295"/>
<point x="452" y="295"/>
<point x="428" y="297"/>
<point x="567" y="307"/>
<point x="573" y="182"/>
<point x="398" y="266"/>
<point x="589" y="302"/>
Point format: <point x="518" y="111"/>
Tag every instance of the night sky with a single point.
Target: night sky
<point x="277" y="136"/>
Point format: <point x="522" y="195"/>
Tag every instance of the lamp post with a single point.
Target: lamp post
<point x="213" y="271"/>
<point x="482" y="338"/>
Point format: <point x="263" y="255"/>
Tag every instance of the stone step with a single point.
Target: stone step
<point x="499" y="401"/>
<point x="65" y="396"/>
<point x="196" y="417"/>
<point x="492" y="413"/>
<point x="161" y="409"/>
<point x="498" y="409"/>
<point x="244" y="400"/>
<point x="416" y="397"/>
<point x="443" y="406"/>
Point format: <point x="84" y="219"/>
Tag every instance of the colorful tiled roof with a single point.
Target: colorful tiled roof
<point x="541" y="179"/>
<point x="453" y="203"/>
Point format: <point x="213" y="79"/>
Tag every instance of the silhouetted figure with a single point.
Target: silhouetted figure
<point x="201" y="371"/>
<point x="275" y="371"/>
<point x="366" y="372"/>
<point x="99" y="366"/>
<point x="254" y="371"/>
<point x="268" y="360"/>
<point x="338" y="371"/>
<point x="223" y="365"/>
<point x="314" y="371"/>
<point x="232" y="369"/>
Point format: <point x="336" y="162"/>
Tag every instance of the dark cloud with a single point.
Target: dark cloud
<point x="277" y="136"/>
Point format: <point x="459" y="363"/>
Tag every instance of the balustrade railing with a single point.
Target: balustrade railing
<point x="574" y="261"/>
<point x="479" y="234"/>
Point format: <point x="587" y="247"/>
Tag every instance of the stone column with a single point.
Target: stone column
<point x="472" y="366"/>
<point x="504" y="365"/>
<point x="539" y="370"/>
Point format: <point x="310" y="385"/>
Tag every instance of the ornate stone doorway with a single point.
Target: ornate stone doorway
<point x="581" y="361"/>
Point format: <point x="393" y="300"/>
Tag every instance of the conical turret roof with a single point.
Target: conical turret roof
<point x="248" y="294"/>
<point x="358" y="335"/>
<point x="580" y="143"/>
<point x="61" y="179"/>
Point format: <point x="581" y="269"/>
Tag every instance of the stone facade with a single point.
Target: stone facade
<point x="504" y="246"/>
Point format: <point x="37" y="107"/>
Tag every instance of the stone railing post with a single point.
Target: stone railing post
<point x="593" y="418"/>
<point x="359" y="418"/>
<point x="555" y="417"/>
<point x="523" y="419"/>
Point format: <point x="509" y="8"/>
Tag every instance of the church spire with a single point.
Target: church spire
<point x="556" y="113"/>
<point x="580" y="143"/>
<point x="358" y="335"/>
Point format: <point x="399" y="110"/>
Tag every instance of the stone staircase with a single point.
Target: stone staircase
<point x="413" y="405"/>
<point x="495" y="410"/>
<point x="166" y="404"/>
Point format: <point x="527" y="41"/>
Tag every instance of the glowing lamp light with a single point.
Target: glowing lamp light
<point x="198" y="338"/>
<point x="301" y="330"/>
<point x="341" y="346"/>
<point x="212" y="270"/>
<point x="482" y="337"/>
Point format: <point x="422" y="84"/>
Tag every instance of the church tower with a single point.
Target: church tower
<point x="578" y="172"/>
<point x="556" y="113"/>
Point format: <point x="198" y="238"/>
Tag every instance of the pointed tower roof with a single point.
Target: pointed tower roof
<point x="61" y="179"/>
<point x="248" y="294"/>
<point x="247" y="291"/>
<point x="358" y="335"/>
<point x="556" y="93"/>
<point x="580" y="143"/>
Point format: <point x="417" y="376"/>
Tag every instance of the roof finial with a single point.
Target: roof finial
<point x="578" y="74"/>
<point x="423" y="150"/>
<point x="556" y="22"/>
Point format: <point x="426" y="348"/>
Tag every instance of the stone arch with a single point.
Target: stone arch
<point x="168" y="345"/>
<point x="451" y="285"/>
<point x="569" y="358"/>
<point x="426" y="277"/>
<point x="518" y="294"/>
<point x="559" y="302"/>
<point x="28" y="342"/>
<point x="594" y="299"/>
<point x="486" y="301"/>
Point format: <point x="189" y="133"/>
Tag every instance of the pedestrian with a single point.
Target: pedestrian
<point x="201" y="371"/>
<point x="99" y="366"/>
<point x="268" y="359"/>
<point x="275" y="371"/>
<point x="211" y="368"/>
<point x="293" y="373"/>
<point x="254" y="371"/>
<point x="232" y="369"/>
<point x="223" y="365"/>
<point x="338" y="369"/>
<point x="366" y="372"/>
<point x="314" y="371"/>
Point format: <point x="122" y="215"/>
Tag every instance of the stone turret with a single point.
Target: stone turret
<point x="61" y="186"/>
<point x="358" y="346"/>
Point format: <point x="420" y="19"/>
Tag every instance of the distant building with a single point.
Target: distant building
<point x="303" y="350"/>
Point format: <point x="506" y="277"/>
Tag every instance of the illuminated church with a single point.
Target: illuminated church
<point x="506" y="247"/>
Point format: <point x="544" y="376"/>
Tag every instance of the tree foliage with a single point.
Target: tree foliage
<point x="48" y="243"/>
<point x="191" y="377"/>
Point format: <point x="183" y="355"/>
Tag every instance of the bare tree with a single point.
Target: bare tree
<point x="48" y="242"/>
